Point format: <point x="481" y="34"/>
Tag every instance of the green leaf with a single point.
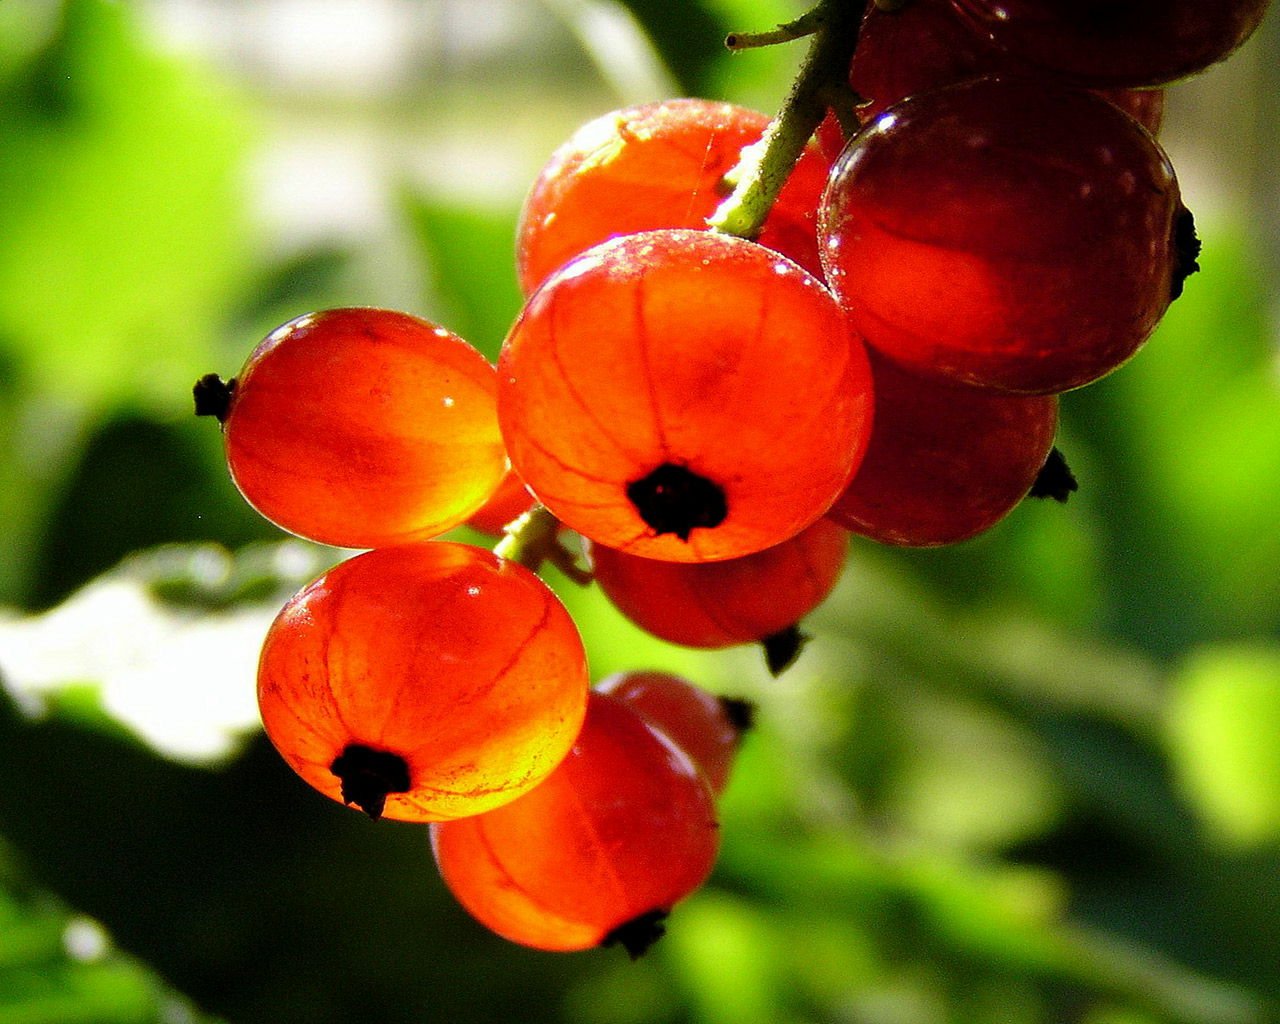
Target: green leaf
<point x="120" y="211"/>
<point x="689" y="36"/>
<point x="470" y="255"/>
<point x="1224" y="739"/>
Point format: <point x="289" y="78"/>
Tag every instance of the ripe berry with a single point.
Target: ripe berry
<point x="926" y="45"/>
<point x="944" y="463"/>
<point x="435" y="679"/>
<point x="1133" y="43"/>
<point x="720" y="604"/>
<point x="684" y="395"/>
<point x="660" y="165"/>
<point x="362" y="428"/>
<point x="1005" y="233"/>
<point x="623" y="829"/>
<point x="706" y="727"/>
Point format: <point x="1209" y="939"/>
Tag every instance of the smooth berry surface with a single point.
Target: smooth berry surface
<point x="945" y="463"/>
<point x="925" y="45"/>
<point x="720" y="604"/>
<point x="1005" y="233"/>
<point x="659" y="165"/>
<point x="463" y="666"/>
<point x="364" y="427"/>
<point x="706" y="727"/>
<point x="625" y="827"/>
<point x="684" y="395"/>
<point x="1116" y="42"/>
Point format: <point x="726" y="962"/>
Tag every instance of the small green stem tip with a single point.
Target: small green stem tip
<point x="533" y="539"/>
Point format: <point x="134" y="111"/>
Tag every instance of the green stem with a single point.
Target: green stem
<point x="764" y="167"/>
<point x="533" y="539"/>
<point x="805" y="25"/>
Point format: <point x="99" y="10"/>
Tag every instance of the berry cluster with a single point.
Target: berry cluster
<point x="1000" y="227"/>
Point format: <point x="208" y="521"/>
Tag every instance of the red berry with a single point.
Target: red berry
<point x="364" y="427"/>
<point x="1132" y="43"/>
<point x="706" y="727"/>
<point x="925" y="45"/>
<point x="1005" y="233"/>
<point x="684" y="395"/>
<point x="944" y="463"/>
<point x="622" y="830"/>
<point x="435" y="677"/>
<point x="661" y="165"/>
<point x="720" y="604"/>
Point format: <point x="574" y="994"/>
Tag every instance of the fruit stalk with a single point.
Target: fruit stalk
<point x="764" y="167"/>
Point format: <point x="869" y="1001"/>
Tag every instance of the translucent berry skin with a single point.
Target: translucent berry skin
<point x="364" y="427"/>
<point x="463" y="665"/>
<point x="1046" y="251"/>
<point x="699" y="723"/>
<point x="688" y="349"/>
<point x="945" y="463"/>
<point x="1126" y="43"/>
<point x="624" y="827"/>
<point x="721" y="604"/>
<point x="925" y="45"/>
<point x="660" y="165"/>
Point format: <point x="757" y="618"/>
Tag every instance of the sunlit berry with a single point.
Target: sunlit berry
<point x="621" y="831"/>
<point x="1006" y="233"/>
<point x="423" y="682"/>
<point x="659" y="165"/>
<point x="362" y="428"/>
<point x="706" y="727"/>
<point x="684" y="395"/>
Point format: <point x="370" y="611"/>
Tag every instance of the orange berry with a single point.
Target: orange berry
<point x="623" y="829"/>
<point x="434" y="677"/>
<point x="684" y="395"/>
<point x="706" y="727"/>
<point x="660" y="165"/>
<point x="720" y="604"/>
<point x="364" y="427"/>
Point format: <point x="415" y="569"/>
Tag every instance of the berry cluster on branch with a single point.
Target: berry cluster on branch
<point x="744" y="339"/>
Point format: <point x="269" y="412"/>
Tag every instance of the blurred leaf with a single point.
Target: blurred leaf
<point x="731" y="959"/>
<point x="616" y="41"/>
<point x="469" y="254"/>
<point x="138" y="483"/>
<point x="1188" y="454"/>
<point x="688" y="35"/>
<point x="57" y="967"/>
<point x="122" y="219"/>
<point x="1224" y="739"/>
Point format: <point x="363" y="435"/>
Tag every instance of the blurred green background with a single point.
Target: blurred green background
<point x="1034" y="778"/>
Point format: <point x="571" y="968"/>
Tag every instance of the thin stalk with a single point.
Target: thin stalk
<point x="764" y="167"/>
